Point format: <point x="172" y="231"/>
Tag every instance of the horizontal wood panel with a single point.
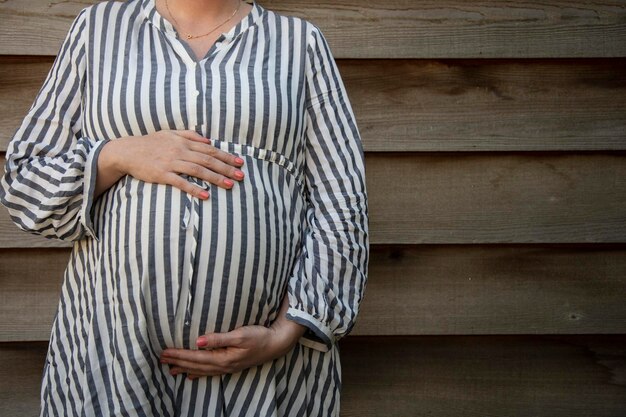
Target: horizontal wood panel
<point x="477" y="198"/>
<point x="488" y="105"/>
<point x="447" y="376"/>
<point x="391" y="29"/>
<point x="439" y="105"/>
<point x="412" y="290"/>
<point x="494" y="289"/>
<point x="22" y="366"/>
<point x="484" y="376"/>
<point x="30" y="286"/>
<point x="497" y="198"/>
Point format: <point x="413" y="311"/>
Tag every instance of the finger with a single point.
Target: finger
<point x="192" y="135"/>
<point x="214" y="164"/>
<point x="220" y="340"/>
<point x="195" y="170"/>
<point x="194" y="367"/>
<point x="186" y="186"/>
<point x="172" y="355"/>
<point x="226" y="157"/>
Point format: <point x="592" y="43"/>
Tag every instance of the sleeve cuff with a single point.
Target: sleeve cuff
<point x="89" y="186"/>
<point x="318" y="336"/>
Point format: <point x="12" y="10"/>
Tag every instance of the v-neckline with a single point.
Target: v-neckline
<point x="153" y="16"/>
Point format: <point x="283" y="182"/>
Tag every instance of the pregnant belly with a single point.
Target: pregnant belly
<point x="176" y="267"/>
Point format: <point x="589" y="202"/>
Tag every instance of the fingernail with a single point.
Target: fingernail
<point x="239" y="174"/>
<point x="228" y="182"/>
<point x="202" y="341"/>
<point x="239" y="160"/>
<point x="204" y="194"/>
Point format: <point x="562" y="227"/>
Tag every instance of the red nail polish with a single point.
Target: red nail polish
<point x="239" y="160"/>
<point x="204" y="194"/>
<point x="201" y="341"/>
<point x="228" y="182"/>
<point x="239" y="174"/>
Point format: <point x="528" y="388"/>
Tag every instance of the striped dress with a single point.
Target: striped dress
<point x="151" y="266"/>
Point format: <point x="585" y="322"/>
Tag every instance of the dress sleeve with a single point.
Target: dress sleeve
<point x="328" y="281"/>
<point x="50" y="169"/>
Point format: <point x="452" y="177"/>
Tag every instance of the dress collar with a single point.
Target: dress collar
<point x="153" y="16"/>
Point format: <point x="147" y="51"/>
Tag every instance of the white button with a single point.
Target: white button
<point x="197" y="92"/>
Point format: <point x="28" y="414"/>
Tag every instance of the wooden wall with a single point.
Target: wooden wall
<point x="495" y="139"/>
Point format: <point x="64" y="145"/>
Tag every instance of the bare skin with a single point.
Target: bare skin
<point x="159" y="157"/>
<point x="197" y="17"/>
<point x="239" y="349"/>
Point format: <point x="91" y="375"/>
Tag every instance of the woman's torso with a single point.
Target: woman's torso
<point x="175" y="266"/>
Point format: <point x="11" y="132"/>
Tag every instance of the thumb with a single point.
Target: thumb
<point x="214" y="340"/>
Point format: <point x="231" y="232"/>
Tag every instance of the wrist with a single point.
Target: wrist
<point x="287" y="333"/>
<point x="110" y="165"/>
<point x="111" y="158"/>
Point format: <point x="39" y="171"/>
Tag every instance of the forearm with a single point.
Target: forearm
<point x="288" y="331"/>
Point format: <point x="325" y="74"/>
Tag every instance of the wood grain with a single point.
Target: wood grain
<point x="447" y="376"/>
<point x="439" y="105"/>
<point x="494" y="289"/>
<point x="497" y="198"/>
<point x="488" y="105"/>
<point x="476" y="197"/>
<point x="411" y="290"/>
<point x="551" y="376"/>
<point x="391" y="29"/>
<point x="22" y="368"/>
<point x="30" y="286"/>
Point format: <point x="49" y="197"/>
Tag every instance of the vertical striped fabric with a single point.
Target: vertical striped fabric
<point x="153" y="267"/>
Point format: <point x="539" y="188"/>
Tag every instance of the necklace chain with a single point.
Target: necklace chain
<point x="189" y="36"/>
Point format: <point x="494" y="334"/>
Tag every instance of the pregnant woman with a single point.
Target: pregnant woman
<point x="204" y="159"/>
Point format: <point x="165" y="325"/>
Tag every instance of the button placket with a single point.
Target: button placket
<point x="192" y="235"/>
<point x="192" y="96"/>
<point x="192" y="204"/>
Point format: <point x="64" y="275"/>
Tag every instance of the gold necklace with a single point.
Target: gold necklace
<point x="189" y="36"/>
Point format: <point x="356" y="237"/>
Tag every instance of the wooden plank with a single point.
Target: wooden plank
<point x="501" y="376"/>
<point x="478" y="198"/>
<point x="496" y="198"/>
<point x="488" y="105"/>
<point x="22" y="368"/>
<point x="412" y="290"/>
<point x="30" y="286"/>
<point x="447" y="376"/>
<point x="432" y="105"/>
<point x="494" y="289"/>
<point x="391" y="29"/>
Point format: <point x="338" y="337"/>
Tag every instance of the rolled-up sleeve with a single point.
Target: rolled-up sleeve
<point x="50" y="170"/>
<point x="329" y="277"/>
